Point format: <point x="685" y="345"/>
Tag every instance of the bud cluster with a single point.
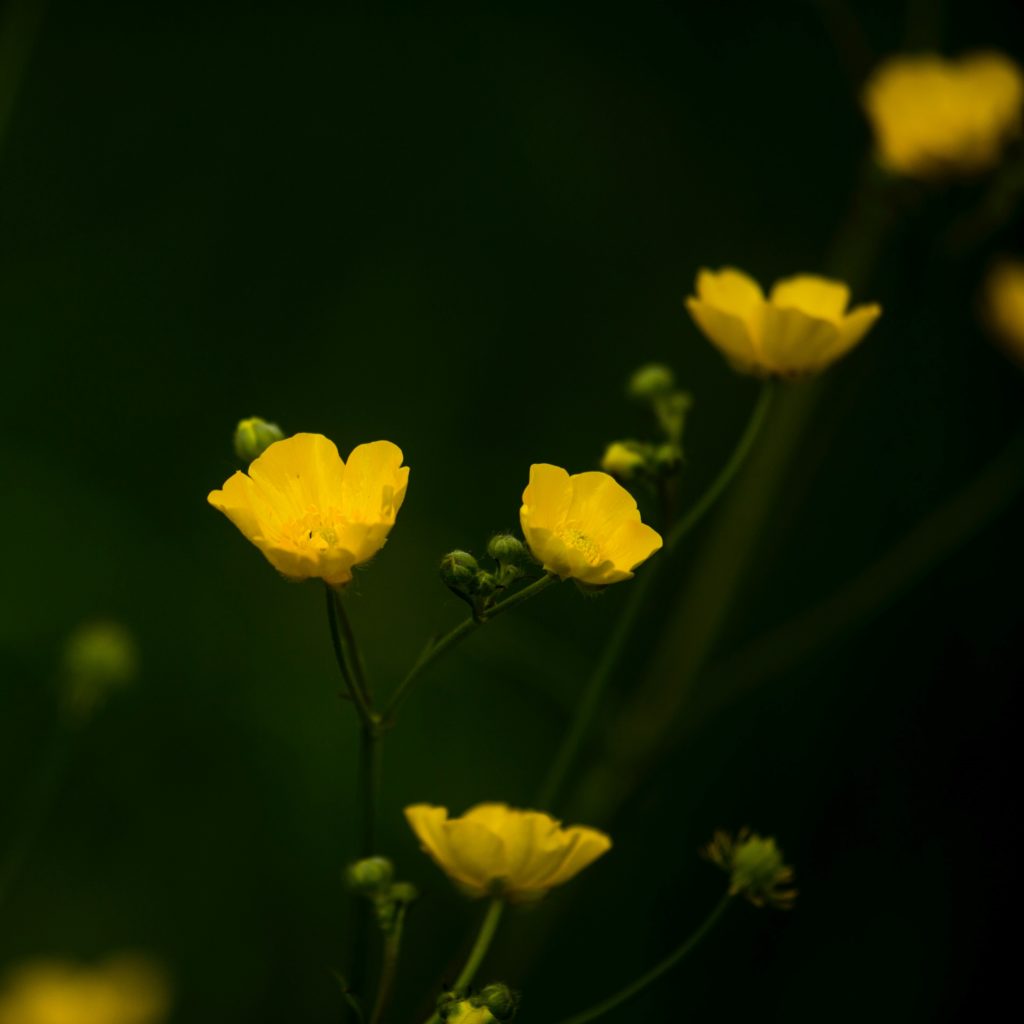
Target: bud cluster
<point x="373" y="877"/>
<point x="510" y="560"/>
<point x="493" y="1003"/>
<point x="653" y="462"/>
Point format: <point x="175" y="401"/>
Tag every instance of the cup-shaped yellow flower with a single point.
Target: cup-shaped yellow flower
<point x="585" y="526"/>
<point x="312" y="514"/>
<point x="124" y="990"/>
<point x="801" y="328"/>
<point x="1004" y="305"/>
<point x="935" y="118"/>
<point x="496" y="850"/>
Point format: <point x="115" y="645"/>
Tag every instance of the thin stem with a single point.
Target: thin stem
<point x="389" y="966"/>
<point x="47" y="785"/>
<point x="627" y="993"/>
<point x="436" y="648"/>
<point x="369" y="784"/>
<point x="739" y="455"/>
<point x="476" y="955"/>
<point x="594" y="691"/>
<point x="355" y="654"/>
<point x="343" y="654"/>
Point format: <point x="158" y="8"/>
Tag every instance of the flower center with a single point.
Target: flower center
<point x="317" y="530"/>
<point x="579" y="541"/>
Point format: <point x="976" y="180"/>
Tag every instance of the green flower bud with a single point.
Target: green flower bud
<point x="459" y="570"/>
<point x="506" y="549"/>
<point x="370" y="875"/>
<point x="756" y="868"/>
<point x="99" y="658"/>
<point x="651" y="381"/>
<point x="404" y="892"/>
<point x="254" y="436"/>
<point x="500" y="1000"/>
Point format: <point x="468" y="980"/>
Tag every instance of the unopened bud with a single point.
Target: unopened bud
<point x="404" y="892"/>
<point x="370" y="875"/>
<point x="500" y="1000"/>
<point x="99" y="658"/>
<point x="651" y="381"/>
<point x="459" y="570"/>
<point x="254" y="436"/>
<point x="507" y="549"/>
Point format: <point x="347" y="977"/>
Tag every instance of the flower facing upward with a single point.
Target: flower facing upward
<point x="1004" y="305"/>
<point x="584" y="526"/>
<point x="125" y="990"/>
<point x="801" y="328"/>
<point x="310" y="513"/>
<point x="934" y="117"/>
<point x="496" y="850"/>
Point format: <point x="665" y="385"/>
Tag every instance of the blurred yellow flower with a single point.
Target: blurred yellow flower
<point x="934" y="117"/>
<point x="801" y="328"/>
<point x="496" y="850"/>
<point x="311" y="514"/>
<point x="622" y="460"/>
<point x="1004" y="305"/>
<point x="124" y="990"/>
<point x="584" y="526"/>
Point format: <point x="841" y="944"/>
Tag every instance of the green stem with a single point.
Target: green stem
<point x="594" y="691"/>
<point x="476" y="955"/>
<point x="627" y="993"/>
<point x="343" y="642"/>
<point x="47" y="786"/>
<point x="389" y="967"/>
<point x="436" y="648"/>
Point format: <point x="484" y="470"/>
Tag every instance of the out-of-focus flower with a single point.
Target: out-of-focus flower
<point x="755" y="867"/>
<point x="124" y="990"/>
<point x="934" y="117"/>
<point x="254" y="436"/>
<point x="99" y="657"/>
<point x="1003" y="307"/>
<point x="585" y="526"/>
<point x="801" y="328"/>
<point x="496" y="850"/>
<point x="311" y="514"/>
<point x="624" y="459"/>
<point x="493" y="1004"/>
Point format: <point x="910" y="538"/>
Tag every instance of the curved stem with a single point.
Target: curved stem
<point x="627" y="993"/>
<point x="389" y="967"/>
<point x="445" y="643"/>
<point x="476" y="955"/>
<point x="343" y="642"/>
<point x="596" y="685"/>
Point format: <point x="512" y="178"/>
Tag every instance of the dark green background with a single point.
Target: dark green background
<point x="460" y="229"/>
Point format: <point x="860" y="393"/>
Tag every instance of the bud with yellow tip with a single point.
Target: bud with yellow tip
<point x="254" y="436"/>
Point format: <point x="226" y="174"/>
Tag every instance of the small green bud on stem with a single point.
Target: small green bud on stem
<point x="254" y="436"/>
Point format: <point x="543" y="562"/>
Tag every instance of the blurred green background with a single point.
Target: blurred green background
<point x="460" y="229"/>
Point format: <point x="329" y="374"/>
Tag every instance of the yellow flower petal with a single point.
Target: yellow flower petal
<point x="493" y="847"/>
<point x="801" y="328"/>
<point x="730" y="289"/>
<point x="569" y="523"/>
<point x="309" y="513"/>
<point x="816" y="296"/>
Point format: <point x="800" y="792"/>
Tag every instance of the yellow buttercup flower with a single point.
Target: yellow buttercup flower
<point x="311" y="514"/>
<point x="801" y="328"/>
<point x="1004" y="305"/>
<point x="496" y="850"/>
<point x="124" y="990"/>
<point x="584" y="526"/>
<point x="934" y="117"/>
